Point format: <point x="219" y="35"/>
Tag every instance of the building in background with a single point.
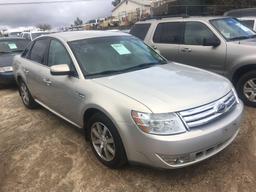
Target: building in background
<point x="130" y="11"/>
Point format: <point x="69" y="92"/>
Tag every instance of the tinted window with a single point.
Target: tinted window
<point x="196" y="33"/>
<point x="140" y="30"/>
<point x="38" y="51"/>
<point x="58" y="54"/>
<point x="248" y="23"/>
<point x="170" y="33"/>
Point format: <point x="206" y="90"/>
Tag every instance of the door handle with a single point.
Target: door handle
<point x="26" y="71"/>
<point x="82" y="96"/>
<point x="47" y="82"/>
<point x="186" y="50"/>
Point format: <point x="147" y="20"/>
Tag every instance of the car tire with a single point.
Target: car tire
<point x="26" y="96"/>
<point x="106" y="142"/>
<point x="246" y="88"/>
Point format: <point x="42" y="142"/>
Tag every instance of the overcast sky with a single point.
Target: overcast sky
<point x="59" y="14"/>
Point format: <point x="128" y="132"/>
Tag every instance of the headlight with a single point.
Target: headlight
<point x="158" y="124"/>
<point x="236" y="96"/>
<point x="6" y="69"/>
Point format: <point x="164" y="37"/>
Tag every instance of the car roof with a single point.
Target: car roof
<point x="197" y="18"/>
<point x="78" y="35"/>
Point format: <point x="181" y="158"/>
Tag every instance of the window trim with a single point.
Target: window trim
<point x="185" y="23"/>
<point x="182" y="33"/>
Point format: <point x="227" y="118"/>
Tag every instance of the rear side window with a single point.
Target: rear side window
<point x="248" y="23"/>
<point x="38" y="51"/>
<point x="169" y="33"/>
<point x="196" y="33"/>
<point x="140" y="30"/>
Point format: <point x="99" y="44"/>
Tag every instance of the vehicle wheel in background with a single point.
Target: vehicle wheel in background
<point x="246" y="88"/>
<point x="106" y="142"/>
<point x="26" y="97"/>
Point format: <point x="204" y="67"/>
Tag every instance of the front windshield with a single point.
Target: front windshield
<point x="111" y="55"/>
<point x="13" y="45"/>
<point x="232" y="29"/>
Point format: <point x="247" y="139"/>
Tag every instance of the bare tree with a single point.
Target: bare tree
<point x="78" y="21"/>
<point x="115" y="2"/>
<point x="44" y="27"/>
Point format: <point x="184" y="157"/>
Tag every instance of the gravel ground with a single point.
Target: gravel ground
<point x="41" y="152"/>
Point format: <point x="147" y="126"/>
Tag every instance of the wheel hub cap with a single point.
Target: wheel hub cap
<point x="250" y="90"/>
<point x="103" y="141"/>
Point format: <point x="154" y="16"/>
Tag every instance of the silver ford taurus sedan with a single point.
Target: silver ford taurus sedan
<point x="133" y="104"/>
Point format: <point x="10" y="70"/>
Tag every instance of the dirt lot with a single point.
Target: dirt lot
<point x="40" y="152"/>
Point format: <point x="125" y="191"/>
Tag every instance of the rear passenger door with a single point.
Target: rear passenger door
<point x="194" y="52"/>
<point x="167" y="38"/>
<point x="37" y="68"/>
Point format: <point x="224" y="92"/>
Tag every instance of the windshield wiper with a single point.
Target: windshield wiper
<point x="240" y="38"/>
<point x="138" y="67"/>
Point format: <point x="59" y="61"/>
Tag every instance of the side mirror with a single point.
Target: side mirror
<point x="213" y="42"/>
<point x="62" y="69"/>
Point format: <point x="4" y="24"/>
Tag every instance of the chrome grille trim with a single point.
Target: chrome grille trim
<point x="204" y="114"/>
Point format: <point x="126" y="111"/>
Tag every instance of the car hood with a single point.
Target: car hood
<point x="6" y="59"/>
<point x="251" y="42"/>
<point x="169" y="88"/>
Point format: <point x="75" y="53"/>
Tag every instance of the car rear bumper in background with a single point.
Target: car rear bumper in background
<point x="7" y="78"/>
<point x="181" y="150"/>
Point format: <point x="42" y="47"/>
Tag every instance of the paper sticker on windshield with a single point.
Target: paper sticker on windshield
<point x="121" y="49"/>
<point x="12" y="46"/>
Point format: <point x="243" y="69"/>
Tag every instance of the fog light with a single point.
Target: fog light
<point x="175" y="160"/>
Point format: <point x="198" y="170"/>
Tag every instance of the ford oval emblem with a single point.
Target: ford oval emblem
<point x="220" y="108"/>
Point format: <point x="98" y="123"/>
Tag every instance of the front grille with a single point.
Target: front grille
<point x="202" y="115"/>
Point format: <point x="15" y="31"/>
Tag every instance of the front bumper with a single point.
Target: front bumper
<point x="7" y="78"/>
<point x="189" y="148"/>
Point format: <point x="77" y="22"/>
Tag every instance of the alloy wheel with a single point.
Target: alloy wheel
<point x="103" y="141"/>
<point x="24" y="93"/>
<point x="250" y="90"/>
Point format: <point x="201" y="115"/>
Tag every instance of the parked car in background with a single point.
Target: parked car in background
<point x="134" y="105"/>
<point x="9" y="47"/>
<point x="218" y="44"/>
<point x="14" y="34"/>
<point x="32" y="35"/>
<point x="246" y="16"/>
<point x="249" y="22"/>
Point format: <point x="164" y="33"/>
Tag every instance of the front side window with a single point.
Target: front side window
<point x="140" y="30"/>
<point x="111" y="55"/>
<point x="38" y="51"/>
<point x="58" y="54"/>
<point x="169" y="33"/>
<point x="231" y="29"/>
<point x="196" y="33"/>
<point x="13" y="45"/>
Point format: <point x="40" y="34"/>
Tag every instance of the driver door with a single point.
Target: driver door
<point x="63" y="95"/>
